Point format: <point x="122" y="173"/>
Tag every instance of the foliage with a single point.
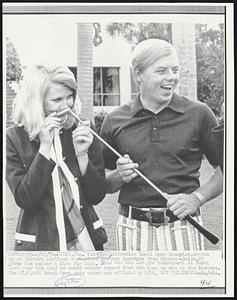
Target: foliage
<point x="99" y="118"/>
<point x="210" y="66"/>
<point x="138" y="32"/>
<point x="13" y="62"/>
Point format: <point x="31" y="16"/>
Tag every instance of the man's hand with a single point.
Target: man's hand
<point x="125" y="167"/>
<point x="182" y="205"/>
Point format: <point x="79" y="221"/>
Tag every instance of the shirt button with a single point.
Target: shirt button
<point x="19" y="243"/>
<point x="60" y="132"/>
<point x="64" y="158"/>
<point x="81" y="206"/>
<point x="76" y="179"/>
<point x="154" y="128"/>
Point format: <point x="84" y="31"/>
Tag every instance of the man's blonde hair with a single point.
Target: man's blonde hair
<point x="148" y="52"/>
<point x="28" y="104"/>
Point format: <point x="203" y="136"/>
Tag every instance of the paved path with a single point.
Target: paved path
<point x="108" y="210"/>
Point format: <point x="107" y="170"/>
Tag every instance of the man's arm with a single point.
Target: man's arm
<point x="186" y="204"/>
<point x="213" y="187"/>
<point x="124" y="173"/>
<point x="113" y="181"/>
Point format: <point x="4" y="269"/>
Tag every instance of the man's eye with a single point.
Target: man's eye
<point x="56" y="100"/>
<point x="160" y="71"/>
<point x="175" y="70"/>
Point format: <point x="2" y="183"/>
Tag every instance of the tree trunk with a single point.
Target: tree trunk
<point x="85" y="68"/>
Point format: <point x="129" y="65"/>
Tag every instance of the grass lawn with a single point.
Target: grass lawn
<point x="108" y="210"/>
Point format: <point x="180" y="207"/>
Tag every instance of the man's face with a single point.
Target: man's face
<point x="158" y="81"/>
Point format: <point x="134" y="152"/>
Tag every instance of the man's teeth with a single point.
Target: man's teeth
<point x="168" y="87"/>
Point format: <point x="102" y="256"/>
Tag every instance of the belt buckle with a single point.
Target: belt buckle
<point x="165" y="220"/>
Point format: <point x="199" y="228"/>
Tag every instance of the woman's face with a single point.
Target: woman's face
<point x="158" y="81"/>
<point x="57" y="97"/>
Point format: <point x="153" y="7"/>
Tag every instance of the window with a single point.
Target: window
<point x="106" y="91"/>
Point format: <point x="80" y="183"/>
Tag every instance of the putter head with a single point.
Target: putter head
<point x="66" y="118"/>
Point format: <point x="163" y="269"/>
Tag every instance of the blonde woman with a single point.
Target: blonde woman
<point x="56" y="174"/>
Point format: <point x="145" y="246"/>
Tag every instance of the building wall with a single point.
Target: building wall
<point x="114" y="52"/>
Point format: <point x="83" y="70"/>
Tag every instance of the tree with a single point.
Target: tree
<point x="85" y="68"/>
<point x="138" y="32"/>
<point x="13" y="62"/>
<point x="210" y="66"/>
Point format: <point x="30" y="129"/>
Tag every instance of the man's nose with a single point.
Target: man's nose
<point x="170" y="74"/>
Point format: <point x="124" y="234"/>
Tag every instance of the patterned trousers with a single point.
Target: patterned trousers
<point x="133" y="235"/>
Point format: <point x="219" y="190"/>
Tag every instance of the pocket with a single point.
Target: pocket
<point x="24" y="242"/>
<point x="97" y="224"/>
<point x="94" y="226"/>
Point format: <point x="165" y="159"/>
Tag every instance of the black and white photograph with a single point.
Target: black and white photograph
<point x="117" y="161"/>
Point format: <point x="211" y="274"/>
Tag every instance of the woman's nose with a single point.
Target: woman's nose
<point x="70" y="102"/>
<point x="63" y="103"/>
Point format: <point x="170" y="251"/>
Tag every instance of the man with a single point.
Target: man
<point x="165" y="136"/>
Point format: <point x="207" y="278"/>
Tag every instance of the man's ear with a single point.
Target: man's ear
<point x="138" y="76"/>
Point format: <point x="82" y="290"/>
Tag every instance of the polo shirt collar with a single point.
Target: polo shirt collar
<point x="177" y="104"/>
<point x="136" y="105"/>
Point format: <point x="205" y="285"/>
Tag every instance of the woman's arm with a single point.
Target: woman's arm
<point x="27" y="185"/>
<point x="93" y="182"/>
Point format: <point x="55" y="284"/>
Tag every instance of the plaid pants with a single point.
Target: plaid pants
<point x="133" y="235"/>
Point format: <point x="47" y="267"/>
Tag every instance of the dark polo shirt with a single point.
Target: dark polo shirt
<point x="168" y="146"/>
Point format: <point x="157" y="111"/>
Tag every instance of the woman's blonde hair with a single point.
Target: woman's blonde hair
<point x="148" y="52"/>
<point x="28" y="104"/>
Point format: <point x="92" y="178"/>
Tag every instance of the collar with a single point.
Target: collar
<point x="177" y="104"/>
<point x="136" y="105"/>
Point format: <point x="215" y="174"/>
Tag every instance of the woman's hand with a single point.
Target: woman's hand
<point x="125" y="167"/>
<point x="46" y="134"/>
<point x="82" y="139"/>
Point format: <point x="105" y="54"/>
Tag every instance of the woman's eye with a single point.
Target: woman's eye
<point x="57" y="100"/>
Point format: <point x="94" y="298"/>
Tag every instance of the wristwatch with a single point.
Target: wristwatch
<point x="199" y="196"/>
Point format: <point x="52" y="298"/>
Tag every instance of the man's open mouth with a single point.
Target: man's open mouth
<point x="167" y="87"/>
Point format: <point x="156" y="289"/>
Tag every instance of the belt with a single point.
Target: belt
<point x="154" y="216"/>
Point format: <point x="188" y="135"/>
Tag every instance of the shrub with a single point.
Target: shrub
<point x="99" y="118"/>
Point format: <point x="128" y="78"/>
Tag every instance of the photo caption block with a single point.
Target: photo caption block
<point x="107" y="269"/>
